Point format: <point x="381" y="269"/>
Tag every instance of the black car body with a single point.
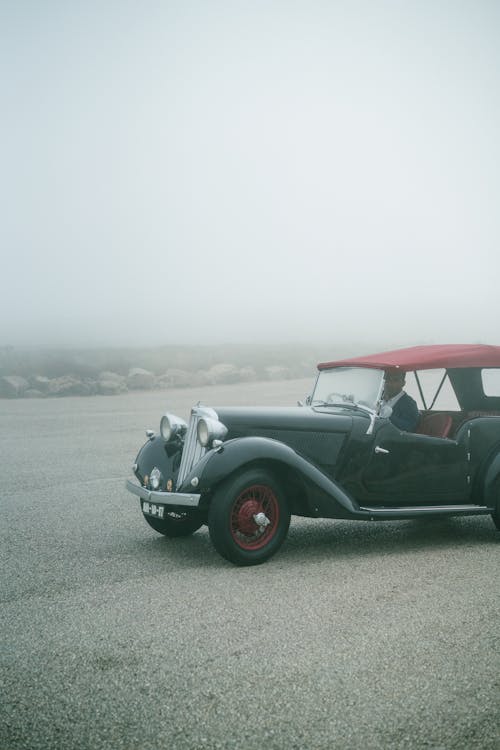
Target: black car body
<point x="245" y="471"/>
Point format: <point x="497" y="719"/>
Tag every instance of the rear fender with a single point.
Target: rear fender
<point x="491" y="488"/>
<point x="237" y="454"/>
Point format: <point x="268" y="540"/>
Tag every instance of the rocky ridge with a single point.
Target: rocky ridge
<point x="108" y="383"/>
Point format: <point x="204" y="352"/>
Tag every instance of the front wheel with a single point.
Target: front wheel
<point x="175" y="524"/>
<point x="248" y="518"/>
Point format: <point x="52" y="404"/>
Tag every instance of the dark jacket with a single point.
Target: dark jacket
<point x="405" y="414"/>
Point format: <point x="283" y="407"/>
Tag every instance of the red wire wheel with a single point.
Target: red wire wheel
<point x="255" y="516"/>
<point x="248" y="518"/>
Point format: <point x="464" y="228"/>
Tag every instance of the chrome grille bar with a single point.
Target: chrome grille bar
<point x="193" y="451"/>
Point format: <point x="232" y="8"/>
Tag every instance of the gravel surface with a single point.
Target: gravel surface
<point x="355" y="635"/>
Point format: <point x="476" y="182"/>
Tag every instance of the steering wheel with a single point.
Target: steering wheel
<point x="343" y="397"/>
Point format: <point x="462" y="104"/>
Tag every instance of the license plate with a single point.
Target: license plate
<point x="151" y="509"/>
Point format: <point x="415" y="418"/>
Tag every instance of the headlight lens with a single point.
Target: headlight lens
<point x="203" y="433"/>
<point x="155" y="478"/>
<point x="170" y="426"/>
<point x="210" y="430"/>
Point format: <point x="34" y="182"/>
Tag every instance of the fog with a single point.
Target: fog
<point x="205" y="172"/>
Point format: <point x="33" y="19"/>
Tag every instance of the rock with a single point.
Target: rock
<point x="13" y="386"/>
<point x="175" y="378"/>
<point x="276" y="372"/>
<point x="110" y="383"/>
<point x="200" y="379"/>
<point x="69" y="385"/>
<point x="40" y="383"/>
<point x="223" y="373"/>
<point x="139" y="379"/>
<point x="247" y="374"/>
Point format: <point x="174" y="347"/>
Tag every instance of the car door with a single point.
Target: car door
<point x="405" y="468"/>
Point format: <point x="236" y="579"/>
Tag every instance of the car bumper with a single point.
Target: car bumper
<point x="163" y="498"/>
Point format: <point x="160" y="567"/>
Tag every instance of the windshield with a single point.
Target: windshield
<point x="344" y="386"/>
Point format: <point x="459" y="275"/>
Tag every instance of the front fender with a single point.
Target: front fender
<point x="155" y="452"/>
<point x="237" y="453"/>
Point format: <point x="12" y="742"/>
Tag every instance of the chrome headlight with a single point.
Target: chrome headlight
<point x="210" y="430"/>
<point x="170" y="426"/>
<point x="155" y="478"/>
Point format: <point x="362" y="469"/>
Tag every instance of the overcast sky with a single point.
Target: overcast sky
<point x="207" y="171"/>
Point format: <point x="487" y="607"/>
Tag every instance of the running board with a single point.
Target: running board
<point x="414" y="511"/>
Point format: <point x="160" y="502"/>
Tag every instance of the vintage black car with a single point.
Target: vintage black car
<point x="245" y="471"/>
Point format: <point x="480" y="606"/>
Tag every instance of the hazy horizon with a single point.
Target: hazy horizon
<point x="232" y="173"/>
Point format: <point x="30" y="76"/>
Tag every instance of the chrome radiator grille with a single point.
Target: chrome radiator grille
<point x="193" y="451"/>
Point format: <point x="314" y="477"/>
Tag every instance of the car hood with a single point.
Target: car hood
<point x="239" y="419"/>
<point x="317" y="435"/>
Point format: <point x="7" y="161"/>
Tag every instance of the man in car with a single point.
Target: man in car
<point x="397" y="405"/>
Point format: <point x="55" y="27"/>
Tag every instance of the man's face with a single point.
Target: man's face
<point x="393" y="384"/>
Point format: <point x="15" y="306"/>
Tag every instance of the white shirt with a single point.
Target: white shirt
<point x="387" y="405"/>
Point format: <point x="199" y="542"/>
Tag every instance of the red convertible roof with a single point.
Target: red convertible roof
<point x="426" y="358"/>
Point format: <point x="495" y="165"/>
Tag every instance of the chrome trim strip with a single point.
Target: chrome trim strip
<point x="434" y="508"/>
<point x="163" y="498"/>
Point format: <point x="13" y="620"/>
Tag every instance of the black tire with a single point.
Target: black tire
<point x="232" y="524"/>
<point x="495" y="516"/>
<point x="175" y="524"/>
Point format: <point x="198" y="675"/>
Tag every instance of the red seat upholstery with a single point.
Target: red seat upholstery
<point x="435" y="425"/>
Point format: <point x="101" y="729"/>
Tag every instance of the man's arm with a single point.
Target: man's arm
<point x="405" y="414"/>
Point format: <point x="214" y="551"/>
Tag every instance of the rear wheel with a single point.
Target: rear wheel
<point x="175" y="524"/>
<point x="248" y="518"/>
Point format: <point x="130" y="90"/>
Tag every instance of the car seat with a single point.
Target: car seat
<point x="436" y="424"/>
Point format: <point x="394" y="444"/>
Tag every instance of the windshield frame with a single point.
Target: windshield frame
<point x="370" y="405"/>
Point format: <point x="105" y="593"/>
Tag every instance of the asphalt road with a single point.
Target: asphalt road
<point x="355" y="635"/>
